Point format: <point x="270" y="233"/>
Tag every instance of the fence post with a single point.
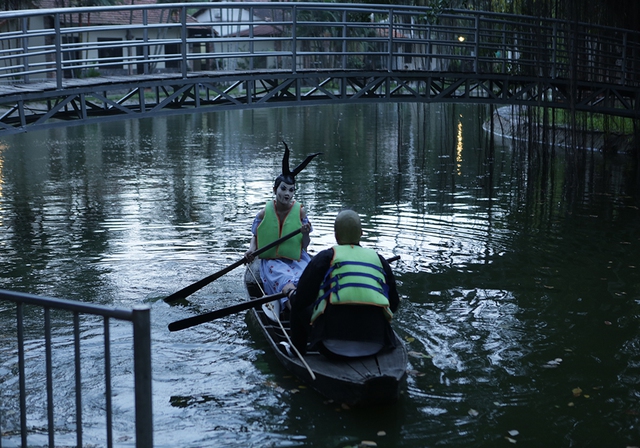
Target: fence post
<point x="294" y="39"/>
<point x="58" y="44"/>
<point x="476" y="64"/>
<point x="390" y="57"/>
<point x="142" y="375"/>
<point x="21" y="374"/>
<point x="183" y="36"/>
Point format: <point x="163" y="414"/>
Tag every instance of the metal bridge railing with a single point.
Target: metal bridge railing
<point x="62" y="44"/>
<point x="22" y="398"/>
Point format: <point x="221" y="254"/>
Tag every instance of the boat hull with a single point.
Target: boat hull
<point x="364" y="381"/>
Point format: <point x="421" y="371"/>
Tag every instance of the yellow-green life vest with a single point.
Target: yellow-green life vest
<point x="356" y="277"/>
<point x="270" y="229"/>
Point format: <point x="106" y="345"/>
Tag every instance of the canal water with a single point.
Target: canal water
<point x="519" y="276"/>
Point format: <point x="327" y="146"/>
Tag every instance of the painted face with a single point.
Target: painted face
<point x="284" y="193"/>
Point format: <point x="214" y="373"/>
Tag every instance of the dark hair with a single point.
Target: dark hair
<point x="286" y="179"/>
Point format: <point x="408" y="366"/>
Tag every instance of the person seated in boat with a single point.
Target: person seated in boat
<point x="281" y="266"/>
<point x="345" y="298"/>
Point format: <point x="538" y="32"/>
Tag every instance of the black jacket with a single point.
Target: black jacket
<point x="345" y="322"/>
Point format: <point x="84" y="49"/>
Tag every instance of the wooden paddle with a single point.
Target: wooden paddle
<point x="217" y="314"/>
<point x="208" y="317"/>
<point x="184" y="292"/>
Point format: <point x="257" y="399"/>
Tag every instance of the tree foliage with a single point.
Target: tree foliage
<point x="621" y="13"/>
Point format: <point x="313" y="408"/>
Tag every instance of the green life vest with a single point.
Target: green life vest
<point x="355" y="277"/>
<point x="270" y="229"/>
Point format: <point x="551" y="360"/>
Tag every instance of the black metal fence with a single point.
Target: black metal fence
<point x="83" y="65"/>
<point x="27" y="396"/>
<point x="61" y="44"/>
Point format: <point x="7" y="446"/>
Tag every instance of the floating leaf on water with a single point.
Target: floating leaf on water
<point x="409" y="339"/>
<point x="294" y="391"/>
<point x="576" y="391"/>
<point x="415" y="373"/>
<point x="514" y="432"/>
<point x="571" y="404"/>
<point x="510" y="440"/>
<point x="381" y="433"/>
<point x="553" y="363"/>
<point x="365" y="443"/>
<point x="473" y="413"/>
<point x="607" y="322"/>
<point x="418" y="354"/>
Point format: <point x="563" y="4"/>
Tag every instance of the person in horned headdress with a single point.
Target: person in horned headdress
<point x="281" y="267"/>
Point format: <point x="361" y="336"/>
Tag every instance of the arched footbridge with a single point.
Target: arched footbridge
<point x="81" y="65"/>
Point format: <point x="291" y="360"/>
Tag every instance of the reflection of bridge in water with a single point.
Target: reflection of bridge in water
<point x="82" y="65"/>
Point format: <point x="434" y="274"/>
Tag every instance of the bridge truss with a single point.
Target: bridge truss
<point x="43" y="105"/>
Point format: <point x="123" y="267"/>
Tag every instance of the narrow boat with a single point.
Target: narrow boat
<point x="356" y="382"/>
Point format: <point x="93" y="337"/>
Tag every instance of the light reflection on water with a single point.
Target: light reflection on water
<point x="505" y="270"/>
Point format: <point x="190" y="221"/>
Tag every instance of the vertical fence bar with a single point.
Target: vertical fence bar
<point x="58" y="44"/>
<point x="623" y="75"/>
<point x="554" y="51"/>
<point x="76" y="340"/>
<point x="49" y="367"/>
<point x="142" y="373"/>
<point x="251" y="45"/>
<point x="25" y="49"/>
<point x="21" y="374"/>
<point x="183" y="36"/>
<point x="477" y="43"/>
<point x="390" y="43"/>
<point x="107" y="381"/>
<point x="504" y="49"/>
<point x="294" y="40"/>
<point x="145" y="40"/>
<point x="429" y="47"/>
<point x="345" y="34"/>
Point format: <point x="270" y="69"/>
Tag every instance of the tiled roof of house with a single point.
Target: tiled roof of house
<point x="267" y="13"/>
<point x="121" y="17"/>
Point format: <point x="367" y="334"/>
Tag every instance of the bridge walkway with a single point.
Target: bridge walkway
<point x="66" y="73"/>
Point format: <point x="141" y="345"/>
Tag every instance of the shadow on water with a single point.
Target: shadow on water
<point x="519" y="273"/>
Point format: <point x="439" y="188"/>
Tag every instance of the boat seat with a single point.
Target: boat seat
<point x="351" y="349"/>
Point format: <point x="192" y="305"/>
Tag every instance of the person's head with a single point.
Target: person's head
<point x="284" y="191"/>
<point x="347" y="227"/>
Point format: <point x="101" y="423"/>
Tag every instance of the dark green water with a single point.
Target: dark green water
<point x="520" y="274"/>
